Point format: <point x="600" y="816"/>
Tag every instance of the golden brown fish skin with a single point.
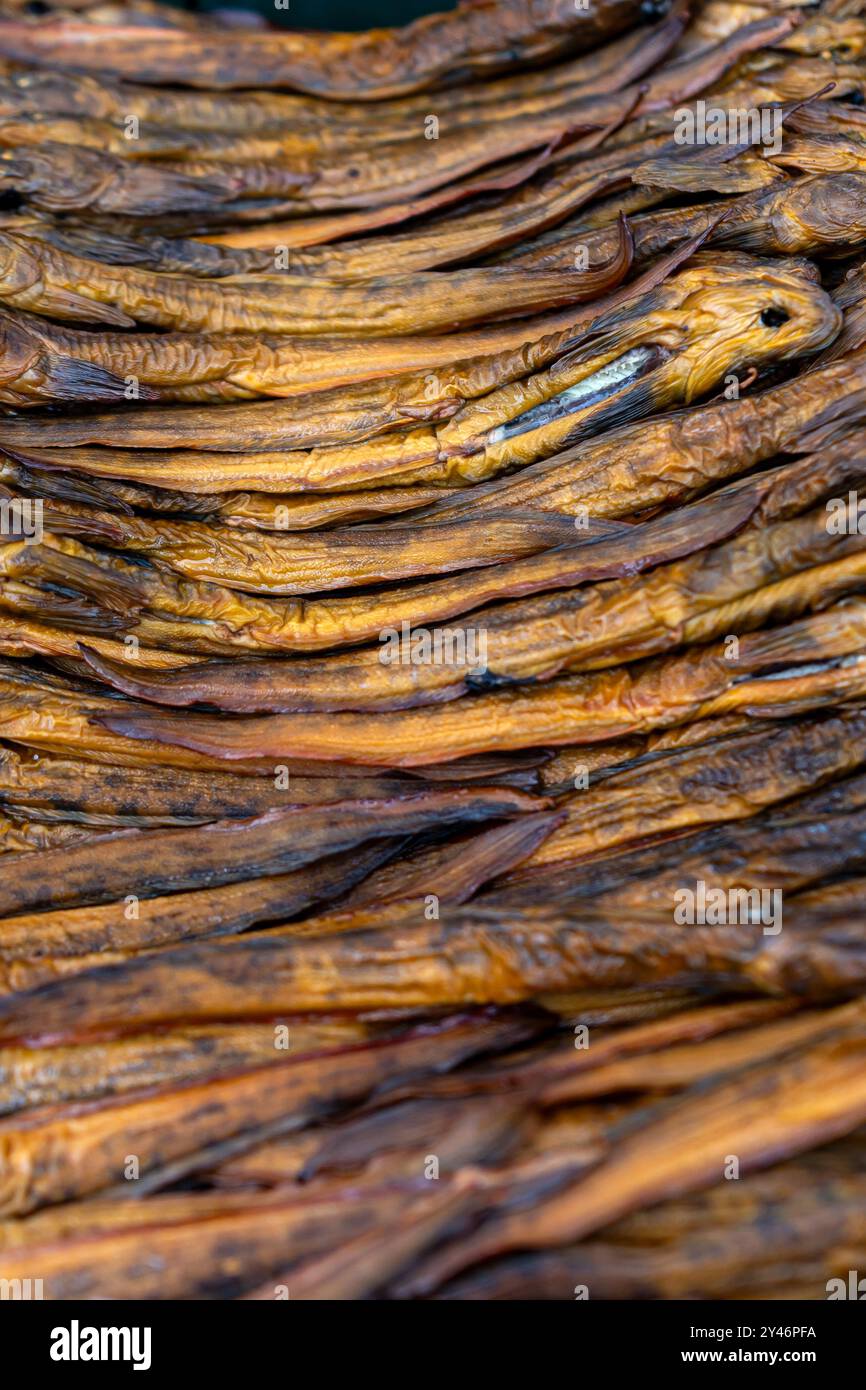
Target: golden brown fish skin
<point x="358" y="681"/>
<point x="559" y="772"/>
<point x="655" y="230"/>
<point x="227" y="618"/>
<point x="820" y="213"/>
<point x="55" y="716"/>
<point x="373" y="65"/>
<point x="81" y="938"/>
<point x="24" y="637"/>
<point x="694" y="788"/>
<point x="41" y="360"/>
<point x="46" y="361"/>
<point x="261" y="1235"/>
<point x="693" y="329"/>
<point x="20" y="835"/>
<point x="79" y="789"/>
<point x="475" y="956"/>
<point x="705" y="68"/>
<point x="530" y="208"/>
<point x="59" y="178"/>
<point x="34" y="275"/>
<point x="789" y="846"/>
<point x="258" y="1238"/>
<point x="455" y="874"/>
<point x="456" y="871"/>
<point x="671" y="458"/>
<point x="82" y="932"/>
<point x="50" y="1075"/>
<point x="40" y="127"/>
<point x="297" y="126"/>
<point x="242" y="113"/>
<point x="553" y="714"/>
<point x="95" y="505"/>
<point x="683" y="362"/>
<point x="775" y="571"/>
<point x="263" y="511"/>
<point x="85" y="1142"/>
<point x="681" y="1066"/>
<point x="850" y="296"/>
<point x="696" y="1021"/>
<point x="703" y="172"/>
<point x="836" y="153"/>
<point x="728" y="1244"/>
<point x="366" y="1263"/>
<point x="818" y="1093"/>
<point x="385" y="1142"/>
<point x="746" y="772"/>
<point x="755" y="79"/>
<point x="227" y="851"/>
<point x="461" y="238"/>
<point x="842" y="34"/>
<point x="405" y="169"/>
<point x="344" y="558"/>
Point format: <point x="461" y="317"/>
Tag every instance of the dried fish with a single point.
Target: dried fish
<point x="383" y="63"/>
<point x="432" y="632"/>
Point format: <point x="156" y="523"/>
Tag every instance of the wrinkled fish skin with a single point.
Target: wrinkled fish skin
<point x="432" y="636"/>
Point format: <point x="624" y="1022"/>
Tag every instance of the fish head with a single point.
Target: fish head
<point x="750" y="318"/>
<point x="19" y="265"/>
<point x="833" y="153"/>
<point x="54" y="93"/>
<point x="823" y="213"/>
<point x="840" y="40"/>
<point x="65" y="178"/>
<point x="666" y="347"/>
<point x="20" y="349"/>
<point x="829" y="210"/>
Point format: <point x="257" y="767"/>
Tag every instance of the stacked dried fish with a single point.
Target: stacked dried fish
<point x="433" y="653"/>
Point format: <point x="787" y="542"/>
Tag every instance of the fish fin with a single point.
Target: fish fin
<point x="42" y="564"/>
<point x="73" y="379"/>
<point x="633" y="403"/>
<point x="155" y="685"/>
<point x="66" y="304"/>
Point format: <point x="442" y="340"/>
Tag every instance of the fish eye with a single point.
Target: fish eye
<point x="774" y="318"/>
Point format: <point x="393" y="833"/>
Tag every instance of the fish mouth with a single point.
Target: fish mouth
<point x="594" y="389"/>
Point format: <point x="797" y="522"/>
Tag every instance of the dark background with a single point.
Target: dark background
<point x="331" y="14"/>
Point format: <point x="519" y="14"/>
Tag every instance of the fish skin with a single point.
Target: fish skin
<point x="533" y="640"/>
<point x="474" y="956"/>
<point x="368" y="66"/>
<point x="65" y="1152"/>
<point x="819" y="1096"/>
<point x="40" y="359"/>
<point x="227" y="851"/>
<point x="694" y="327"/>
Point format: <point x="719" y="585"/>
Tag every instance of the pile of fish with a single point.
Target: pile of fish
<point x="433" y="653"/>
